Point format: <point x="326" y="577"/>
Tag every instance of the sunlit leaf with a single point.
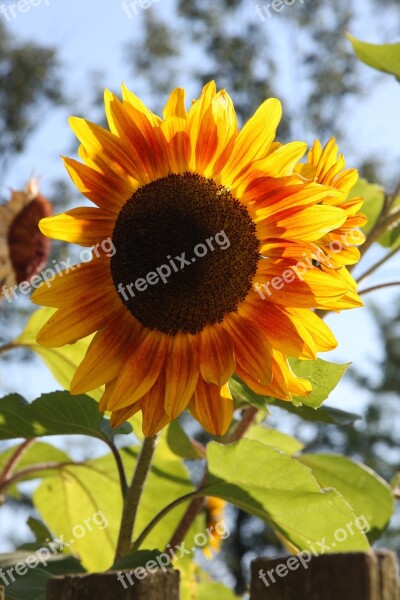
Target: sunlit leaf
<point x="270" y="485"/>
<point x="323" y="375"/>
<point x="382" y="57"/>
<point x="78" y="492"/>
<point x="373" y="195"/>
<point x="367" y="493"/>
<point x="276" y="439"/>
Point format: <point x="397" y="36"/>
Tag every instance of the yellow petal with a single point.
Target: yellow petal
<point x="212" y="406"/>
<point x="84" y="226"/>
<point x="254" y="140"/>
<point x="80" y="318"/>
<point x="175" y="106"/>
<point x="182" y="372"/>
<point x="109" y="195"/>
<point x="140" y="371"/>
<point x="75" y="282"/>
<point x="106" y="354"/>
<point x="217" y="362"/>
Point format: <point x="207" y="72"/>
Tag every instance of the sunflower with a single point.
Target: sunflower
<point x="338" y="248"/>
<point x="24" y="250"/>
<point x="200" y="217"/>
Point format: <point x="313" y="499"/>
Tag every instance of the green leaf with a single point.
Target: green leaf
<point x="215" y="591"/>
<point x="325" y="414"/>
<point x="274" y="438"/>
<point x="63" y="361"/>
<point x="57" y="413"/>
<point x="270" y="485"/>
<point x="32" y="585"/>
<point x="367" y="493"/>
<point x="323" y="375"/>
<point x="374" y="197"/>
<point x="41" y="533"/>
<point x="382" y="57"/>
<point x="82" y="505"/>
<point x="78" y="492"/>
<point x="181" y="444"/>
<point x="139" y="558"/>
<point x="243" y="394"/>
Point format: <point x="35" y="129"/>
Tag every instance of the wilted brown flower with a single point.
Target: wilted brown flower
<point x="24" y="250"/>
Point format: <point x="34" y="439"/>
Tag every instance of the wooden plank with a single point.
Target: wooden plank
<point x="115" y="585"/>
<point x="353" y="576"/>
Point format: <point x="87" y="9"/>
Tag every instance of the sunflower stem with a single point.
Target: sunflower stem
<point x="133" y="495"/>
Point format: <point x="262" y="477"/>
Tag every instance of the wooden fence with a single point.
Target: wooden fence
<point x="355" y="576"/>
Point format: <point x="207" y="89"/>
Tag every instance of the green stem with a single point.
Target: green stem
<point x="120" y="466"/>
<point x="139" y="541"/>
<point x="133" y="495"/>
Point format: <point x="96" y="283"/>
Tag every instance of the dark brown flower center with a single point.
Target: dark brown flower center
<point x="186" y="253"/>
<point x="29" y="249"/>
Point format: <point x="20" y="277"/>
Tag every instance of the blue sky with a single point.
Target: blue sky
<point x="90" y="37"/>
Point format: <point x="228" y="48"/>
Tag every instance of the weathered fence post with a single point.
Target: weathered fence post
<point x="107" y="586"/>
<point x="353" y="576"/>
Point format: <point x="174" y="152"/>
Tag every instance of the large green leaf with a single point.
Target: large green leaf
<point x="278" y="489"/>
<point x="276" y="439"/>
<point x="323" y="375"/>
<point x="57" y="413"/>
<point x="32" y="585"/>
<point x="78" y="492"/>
<point x="383" y="57"/>
<point x="63" y="361"/>
<point x="368" y="494"/>
<point x="72" y="503"/>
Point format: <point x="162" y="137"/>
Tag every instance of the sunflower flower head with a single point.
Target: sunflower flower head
<point x="24" y="250"/>
<point x="213" y="234"/>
